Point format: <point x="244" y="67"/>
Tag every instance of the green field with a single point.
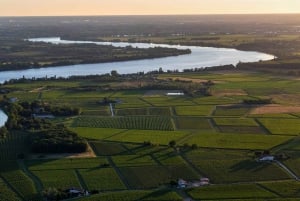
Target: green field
<point x="235" y="141"/>
<point x="137" y="122"/>
<point x="233" y="166"/>
<point x="102" y="179"/>
<point x="244" y="191"/>
<point x="203" y="110"/>
<point x="193" y="123"/>
<point x="282" y="126"/>
<point x="141" y="195"/>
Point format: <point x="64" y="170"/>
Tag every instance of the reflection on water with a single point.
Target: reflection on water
<point x="200" y="57"/>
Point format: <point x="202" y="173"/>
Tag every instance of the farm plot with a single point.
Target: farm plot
<point x="234" y="166"/>
<point x="101" y="112"/>
<point x="20" y="182"/>
<point x="101" y="179"/>
<point x="193" y="123"/>
<point x="144" y="177"/>
<point x="160" y="111"/>
<point x="214" y="100"/>
<point x="57" y="178"/>
<point x="242" y="191"/>
<point x="293" y="162"/>
<point x="169" y="101"/>
<point x="155" y="137"/>
<point x="141" y="195"/>
<point x="234" y="141"/>
<point x="282" y="126"/>
<point x="238" y="125"/>
<point x="137" y="122"/>
<point x="132" y="112"/>
<point x="96" y="133"/>
<point x="80" y="163"/>
<point x="133" y="160"/>
<point x="232" y="110"/>
<point x="107" y="148"/>
<point x="284" y="188"/>
<point x="126" y="102"/>
<point x="6" y="193"/>
<point x="203" y="110"/>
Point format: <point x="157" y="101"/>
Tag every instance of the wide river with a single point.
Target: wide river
<point x="200" y="57"/>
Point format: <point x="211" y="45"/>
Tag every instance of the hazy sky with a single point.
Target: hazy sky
<point x="144" y="7"/>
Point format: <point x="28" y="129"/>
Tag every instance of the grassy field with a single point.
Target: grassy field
<point x="102" y="179"/>
<point x="19" y="181"/>
<point x="203" y="110"/>
<point x="236" y="141"/>
<point x="233" y="166"/>
<point x="155" y="137"/>
<point x="141" y="195"/>
<point x="193" y="123"/>
<point x="282" y="126"/>
<point x="284" y="188"/>
<point x="96" y="133"/>
<point x="218" y="192"/>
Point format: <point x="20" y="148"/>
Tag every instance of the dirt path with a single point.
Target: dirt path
<point x="184" y="195"/>
<point x="287" y="170"/>
<point x="37" y="183"/>
<point x="111" y="110"/>
<point x="119" y="173"/>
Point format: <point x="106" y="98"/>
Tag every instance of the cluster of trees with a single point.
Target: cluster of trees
<point x="258" y="101"/>
<point x="57" y="140"/>
<point x="20" y="115"/>
<point x="16" y="56"/>
<point x="3" y="132"/>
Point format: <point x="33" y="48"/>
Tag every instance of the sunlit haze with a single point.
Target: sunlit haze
<point x="144" y="7"/>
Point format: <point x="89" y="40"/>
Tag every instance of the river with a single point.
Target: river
<point x="200" y="57"/>
<point x="3" y="118"/>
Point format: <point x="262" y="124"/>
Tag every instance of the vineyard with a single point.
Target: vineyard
<point x="137" y="122"/>
<point x="150" y="141"/>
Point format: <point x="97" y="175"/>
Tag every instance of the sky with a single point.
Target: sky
<point x="144" y="7"/>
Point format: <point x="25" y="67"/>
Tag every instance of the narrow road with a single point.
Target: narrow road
<point x="119" y="173"/>
<point x="290" y="172"/>
<point x="38" y="185"/>
<point x="111" y="109"/>
<point x="184" y="195"/>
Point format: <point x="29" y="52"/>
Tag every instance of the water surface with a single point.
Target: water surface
<point x="200" y="57"/>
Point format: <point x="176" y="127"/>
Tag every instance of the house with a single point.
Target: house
<point x="182" y="183"/>
<point x="175" y="94"/>
<point x="13" y="100"/>
<point x="75" y="192"/>
<point x="266" y="158"/>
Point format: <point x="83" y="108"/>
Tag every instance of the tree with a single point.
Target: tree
<point x="172" y="143"/>
<point x="114" y="73"/>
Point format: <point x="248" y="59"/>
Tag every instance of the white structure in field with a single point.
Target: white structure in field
<point x="266" y="158"/>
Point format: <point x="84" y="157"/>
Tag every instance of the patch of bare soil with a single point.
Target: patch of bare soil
<point x="88" y="154"/>
<point x="229" y="92"/>
<point x="195" y="80"/>
<point x="293" y="99"/>
<point x="40" y="89"/>
<point x="275" y="109"/>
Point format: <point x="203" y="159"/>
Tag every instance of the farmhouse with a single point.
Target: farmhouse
<point x="266" y="158"/>
<point x="175" y="94"/>
<point x="185" y="184"/>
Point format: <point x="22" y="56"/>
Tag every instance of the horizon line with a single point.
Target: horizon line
<point x="113" y="15"/>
